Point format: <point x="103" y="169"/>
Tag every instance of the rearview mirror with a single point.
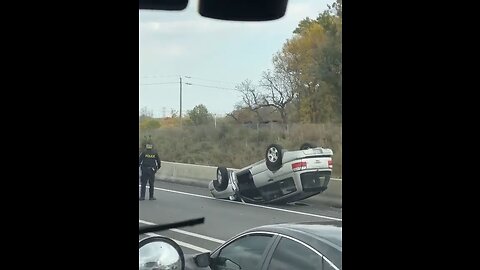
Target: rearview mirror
<point x="158" y="252"/>
<point x="243" y="10"/>
<point x="163" y="4"/>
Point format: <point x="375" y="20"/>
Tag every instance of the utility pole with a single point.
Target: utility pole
<point x="181" y="124"/>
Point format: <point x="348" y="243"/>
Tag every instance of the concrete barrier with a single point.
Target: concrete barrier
<point x="182" y="170"/>
<point x="201" y="175"/>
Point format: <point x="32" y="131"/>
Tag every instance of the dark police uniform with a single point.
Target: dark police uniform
<point x="150" y="163"/>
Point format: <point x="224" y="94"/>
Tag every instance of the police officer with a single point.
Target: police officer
<point x="150" y="163"/>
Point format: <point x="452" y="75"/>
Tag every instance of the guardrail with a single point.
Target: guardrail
<point x="201" y="175"/>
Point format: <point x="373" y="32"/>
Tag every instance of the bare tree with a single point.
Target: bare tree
<point x="279" y="92"/>
<point x="252" y="98"/>
<point x="237" y="113"/>
<point x="232" y="115"/>
<point x="146" y="112"/>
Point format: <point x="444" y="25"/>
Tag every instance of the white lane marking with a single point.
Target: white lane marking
<point x="146" y="222"/>
<point x="190" y="246"/>
<point x="183" y="244"/>
<point x="187" y="233"/>
<point x="253" y="205"/>
<point x="198" y="235"/>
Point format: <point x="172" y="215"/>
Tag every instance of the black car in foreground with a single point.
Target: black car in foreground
<point x="297" y="246"/>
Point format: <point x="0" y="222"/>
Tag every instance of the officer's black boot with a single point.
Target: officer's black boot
<point x="151" y="187"/>
<point x="150" y="197"/>
<point x="143" y="188"/>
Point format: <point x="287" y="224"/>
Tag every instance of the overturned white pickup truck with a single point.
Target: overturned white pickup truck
<point x="283" y="176"/>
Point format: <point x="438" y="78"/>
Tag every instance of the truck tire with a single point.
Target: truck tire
<point x="273" y="157"/>
<point x="306" y="146"/>
<point x="221" y="183"/>
<point x="233" y="197"/>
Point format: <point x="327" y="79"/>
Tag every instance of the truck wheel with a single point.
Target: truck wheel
<point x="273" y="157"/>
<point x="221" y="183"/>
<point x="306" y="146"/>
<point x="233" y="197"/>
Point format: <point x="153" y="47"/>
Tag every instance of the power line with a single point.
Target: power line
<point x="211" y="86"/>
<point x="158" y="76"/>
<point x="208" y="80"/>
<point x="188" y="77"/>
<point x="158" y="83"/>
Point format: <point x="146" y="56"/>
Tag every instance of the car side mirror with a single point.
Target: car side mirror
<point x="202" y="260"/>
<point x="159" y="252"/>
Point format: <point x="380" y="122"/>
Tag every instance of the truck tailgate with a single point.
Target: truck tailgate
<point x="318" y="162"/>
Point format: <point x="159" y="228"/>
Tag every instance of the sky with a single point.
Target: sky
<point x="211" y="55"/>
